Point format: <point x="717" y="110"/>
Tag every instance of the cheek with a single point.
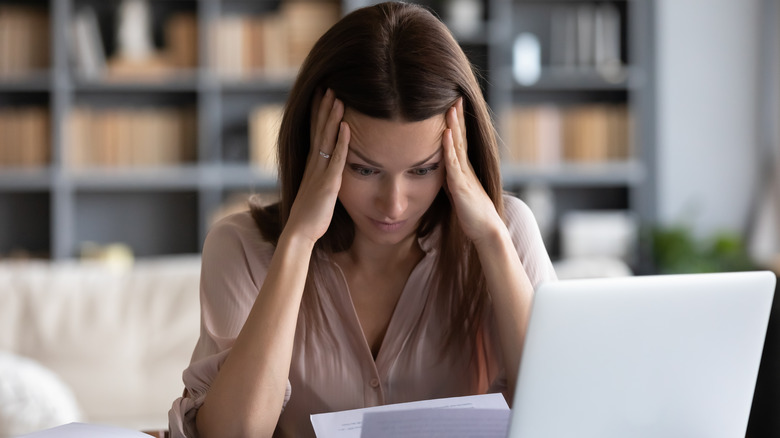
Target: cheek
<point x="427" y="190"/>
<point x="352" y="192"/>
<point x="437" y="183"/>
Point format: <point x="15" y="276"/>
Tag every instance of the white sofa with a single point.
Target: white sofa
<point x="85" y="341"/>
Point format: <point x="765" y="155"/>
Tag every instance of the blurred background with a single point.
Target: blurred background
<point x="644" y="134"/>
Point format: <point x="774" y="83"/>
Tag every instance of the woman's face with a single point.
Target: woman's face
<point x="394" y="171"/>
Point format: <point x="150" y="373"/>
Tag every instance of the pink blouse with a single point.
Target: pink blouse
<point x="332" y="366"/>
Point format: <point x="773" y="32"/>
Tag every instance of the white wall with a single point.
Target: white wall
<point x="707" y="60"/>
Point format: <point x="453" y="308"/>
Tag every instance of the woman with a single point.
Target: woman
<point x="392" y="269"/>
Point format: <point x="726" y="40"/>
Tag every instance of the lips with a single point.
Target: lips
<point x="388" y="226"/>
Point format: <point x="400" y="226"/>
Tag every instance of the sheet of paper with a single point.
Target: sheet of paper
<point x="348" y="424"/>
<point x="437" y="423"/>
<point x="85" y="430"/>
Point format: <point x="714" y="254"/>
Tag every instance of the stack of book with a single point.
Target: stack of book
<point x="549" y="134"/>
<point x="180" y="50"/>
<point x="178" y="55"/>
<point x="24" y="40"/>
<point x="24" y="137"/>
<point x="586" y="35"/>
<point x="264" y="124"/>
<point x="306" y="22"/>
<point x="130" y="137"/>
<point x="273" y="44"/>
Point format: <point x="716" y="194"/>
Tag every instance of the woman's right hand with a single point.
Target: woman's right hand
<point x="313" y="207"/>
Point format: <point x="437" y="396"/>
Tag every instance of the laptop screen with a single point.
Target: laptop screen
<point x="647" y="356"/>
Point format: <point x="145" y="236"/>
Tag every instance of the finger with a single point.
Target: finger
<point x="330" y="131"/>
<point x="462" y="121"/>
<point x="452" y="164"/>
<point x="315" y="111"/>
<point x="320" y="119"/>
<point x="455" y="135"/>
<point x="339" y="156"/>
<point x="457" y="123"/>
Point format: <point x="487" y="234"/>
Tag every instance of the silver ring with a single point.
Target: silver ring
<point x="324" y="155"/>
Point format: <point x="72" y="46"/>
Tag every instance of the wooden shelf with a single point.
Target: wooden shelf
<point x="629" y="174"/>
<point x="30" y="82"/>
<point x="25" y="179"/>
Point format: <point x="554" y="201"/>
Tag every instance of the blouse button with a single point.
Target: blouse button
<point x="374" y="383"/>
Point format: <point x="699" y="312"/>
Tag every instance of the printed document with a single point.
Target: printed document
<point x="85" y="430"/>
<point x="492" y="408"/>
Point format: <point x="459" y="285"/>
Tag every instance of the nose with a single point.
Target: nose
<point x="391" y="199"/>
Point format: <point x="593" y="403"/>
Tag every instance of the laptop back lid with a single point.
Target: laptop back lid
<point x="649" y="356"/>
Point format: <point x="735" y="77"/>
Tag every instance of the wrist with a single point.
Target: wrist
<point x="295" y="241"/>
<point x="493" y="237"/>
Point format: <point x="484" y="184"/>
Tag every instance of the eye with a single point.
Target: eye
<point x="362" y="171"/>
<point x="423" y="171"/>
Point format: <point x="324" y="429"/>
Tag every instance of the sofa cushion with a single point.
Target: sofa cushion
<point x="120" y="338"/>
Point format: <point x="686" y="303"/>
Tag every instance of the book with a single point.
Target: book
<point x="273" y="44"/>
<point x="86" y="44"/>
<point x="306" y="21"/>
<point x="130" y="137"/>
<point x="25" y="139"/>
<point x="24" y="40"/>
<point x="264" y="123"/>
<point x="181" y="36"/>
<point x="587" y="37"/>
<point x="535" y="134"/>
<point x="547" y="134"/>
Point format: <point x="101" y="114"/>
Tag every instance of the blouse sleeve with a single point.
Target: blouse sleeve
<point x="528" y="241"/>
<point x="536" y="262"/>
<point x="235" y="261"/>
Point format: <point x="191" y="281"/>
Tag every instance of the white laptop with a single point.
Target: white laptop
<point x="648" y="356"/>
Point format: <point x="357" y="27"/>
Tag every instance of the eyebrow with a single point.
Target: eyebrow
<point x="375" y="164"/>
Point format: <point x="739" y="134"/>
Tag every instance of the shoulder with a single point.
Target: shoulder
<point x="522" y="226"/>
<point x="517" y="215"/>
<point x="234" y="247"/>
<point x="515" y="207"/>
<point x="238" y="231"/>
<point x="235" y="261"/>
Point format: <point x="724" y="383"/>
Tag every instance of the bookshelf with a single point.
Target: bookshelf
<point x="146" y="152"/>
<point x="572" y="90"/>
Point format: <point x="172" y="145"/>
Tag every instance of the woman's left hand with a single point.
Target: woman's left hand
<point x="475" y="210"/>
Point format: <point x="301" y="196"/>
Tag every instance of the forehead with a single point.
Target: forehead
<point x="383" y="139"/>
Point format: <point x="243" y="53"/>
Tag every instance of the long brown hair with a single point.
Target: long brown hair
<point x="395" y="61"/>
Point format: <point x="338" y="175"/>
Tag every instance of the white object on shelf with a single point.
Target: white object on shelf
<point x="526" y="59"/>
<point x="134" y="33"/>
<point x="599" y="233"/>
<point x="86" y="45"/>
<point x="591" y="267"/>
<point x="464" y="17"/>
<point x="541" y="200"/>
